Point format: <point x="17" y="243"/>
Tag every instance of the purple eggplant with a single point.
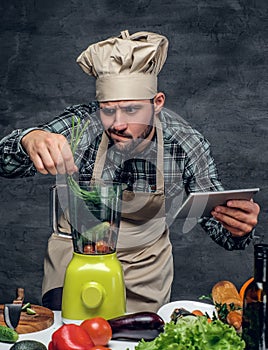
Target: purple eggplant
<point x="147" y="325"/>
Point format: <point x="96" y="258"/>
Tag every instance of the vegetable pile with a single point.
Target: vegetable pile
<point x="195" y="333"/>
<point x="95" y="333"/>
<point x="92" y="334"/>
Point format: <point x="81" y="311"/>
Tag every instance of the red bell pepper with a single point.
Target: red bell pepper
<point x="70" y="337"/>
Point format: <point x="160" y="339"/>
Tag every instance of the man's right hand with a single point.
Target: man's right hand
<point x="50" y="153"/>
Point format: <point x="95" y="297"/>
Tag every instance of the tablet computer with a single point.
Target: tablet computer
<point x="200" y="204"/>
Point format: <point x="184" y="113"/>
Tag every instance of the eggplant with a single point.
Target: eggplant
<point x="136" y="326"/>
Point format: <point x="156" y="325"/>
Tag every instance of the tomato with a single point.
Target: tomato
<point x="102" y="247"/>
<point x="88" y="249"/>
<point x="98" y="329"/>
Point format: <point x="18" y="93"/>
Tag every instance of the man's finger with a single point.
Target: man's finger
<point x="68" y="160"/>
<point x="245" y="205"/>
<point x="48" y="161"/>
<point x="38" y="163"/>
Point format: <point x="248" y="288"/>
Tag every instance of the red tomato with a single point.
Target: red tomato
<point x="98" y="329"/>
<point x="102" y="247"/>
<point x="88" y="249"/>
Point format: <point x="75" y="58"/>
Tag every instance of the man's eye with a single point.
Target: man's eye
<point x="131" y="109"/>
<point x="108" y="111"/>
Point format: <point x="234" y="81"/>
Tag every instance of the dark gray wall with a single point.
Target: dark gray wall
<point x="215" y="77"/>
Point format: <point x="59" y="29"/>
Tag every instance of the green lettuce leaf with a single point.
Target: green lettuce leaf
<point x="195" y="333"/>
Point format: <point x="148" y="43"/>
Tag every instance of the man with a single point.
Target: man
<point x="131" y="139"/>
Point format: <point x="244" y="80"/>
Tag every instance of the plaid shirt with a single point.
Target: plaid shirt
<point x="188" y="164"/>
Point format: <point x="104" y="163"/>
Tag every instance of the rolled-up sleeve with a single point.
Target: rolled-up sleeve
<point x="14" y="161"/>
<point x="223" y="237"/>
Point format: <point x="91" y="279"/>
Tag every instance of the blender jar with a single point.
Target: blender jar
<point x="94" y="216"/>
<point x="94" y="283"/>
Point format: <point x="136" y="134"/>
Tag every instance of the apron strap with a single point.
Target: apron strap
<point x="160" y="156"/>
<point x="100" y="159"/>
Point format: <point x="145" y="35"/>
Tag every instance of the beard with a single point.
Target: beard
<point x="129" y="146"/>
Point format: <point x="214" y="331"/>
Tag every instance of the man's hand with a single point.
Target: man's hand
<point x="50" y="153"/>
<point x="239" y="216"/>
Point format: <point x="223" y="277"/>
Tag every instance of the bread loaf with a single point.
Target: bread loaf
<point x="228" y="303"/>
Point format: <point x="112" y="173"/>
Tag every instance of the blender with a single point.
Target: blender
<point x="94" y="283"/>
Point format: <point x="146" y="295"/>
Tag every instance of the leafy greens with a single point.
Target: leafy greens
<point x="195" y="333"/>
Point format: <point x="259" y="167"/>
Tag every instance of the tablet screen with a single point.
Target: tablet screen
<point x="200" y="204"/>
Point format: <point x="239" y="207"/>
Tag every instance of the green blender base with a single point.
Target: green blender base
<point x="93" y="286"/>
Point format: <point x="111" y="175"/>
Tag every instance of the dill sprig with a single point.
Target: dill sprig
<point x="76" y="136"/>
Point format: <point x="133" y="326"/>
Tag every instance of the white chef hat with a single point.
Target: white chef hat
<point x="125" y="67"/>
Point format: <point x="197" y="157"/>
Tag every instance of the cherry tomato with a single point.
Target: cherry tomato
<point x="98" y="329"/>
<point x="102" y="247"/>
<point x="88" y="249"/>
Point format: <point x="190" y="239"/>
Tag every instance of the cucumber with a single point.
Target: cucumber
<point x="8" y="335"/>
<point x="28" y="345"/>
<point x="30" y="311"/>
<point x="25" y="306"/>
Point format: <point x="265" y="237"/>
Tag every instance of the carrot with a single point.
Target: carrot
<point x="200" y="313"/>
<point x="197" y="313"/>
<point x="244" y="286"/>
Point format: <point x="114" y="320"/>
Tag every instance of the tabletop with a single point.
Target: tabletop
<point x="164" y="312"/>
<point x="45" y="336"/>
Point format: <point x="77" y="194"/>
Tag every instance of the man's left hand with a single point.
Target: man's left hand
<point x="238" y="216"/>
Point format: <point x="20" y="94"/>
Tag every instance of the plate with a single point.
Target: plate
<point x="122" y="345"/>
<point x="166" y="310"/>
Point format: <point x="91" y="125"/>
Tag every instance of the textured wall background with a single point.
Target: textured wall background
<point x="215" y="77"/>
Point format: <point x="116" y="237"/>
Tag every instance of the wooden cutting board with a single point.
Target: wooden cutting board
<point x="43" y="319"/>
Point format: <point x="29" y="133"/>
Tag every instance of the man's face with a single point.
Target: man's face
<point x="127" y="123"/>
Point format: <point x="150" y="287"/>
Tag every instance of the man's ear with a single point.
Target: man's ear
<point x="159" y="101"/>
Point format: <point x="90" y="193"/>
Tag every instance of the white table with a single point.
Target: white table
<point x="45" y="336"/>
<point x="165" y="311"/>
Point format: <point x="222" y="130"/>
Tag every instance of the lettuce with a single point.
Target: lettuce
<point x="195" y="333"/>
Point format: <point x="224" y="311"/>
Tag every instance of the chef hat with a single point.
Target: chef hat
<point x="125" y="67"/>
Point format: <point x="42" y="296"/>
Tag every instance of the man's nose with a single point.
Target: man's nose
<point x="120" y="122"/>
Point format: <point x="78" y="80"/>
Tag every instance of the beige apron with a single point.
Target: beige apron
<point x="143" y="246"/>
